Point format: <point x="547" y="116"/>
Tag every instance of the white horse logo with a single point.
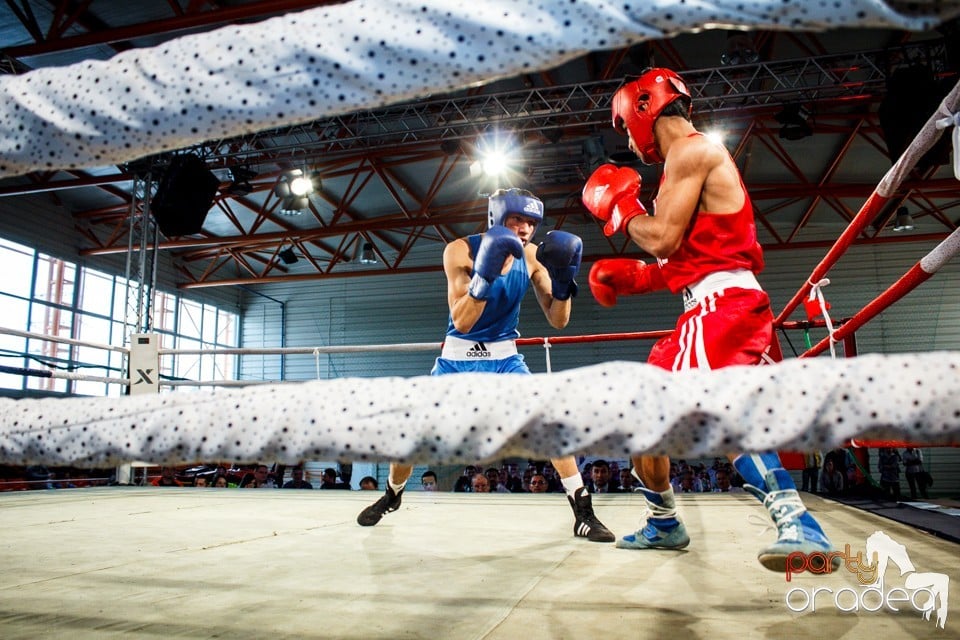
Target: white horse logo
<point x="882" y="549"/>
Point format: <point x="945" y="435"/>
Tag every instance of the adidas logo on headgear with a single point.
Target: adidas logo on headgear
<point x="531" y="207"/>
<point x="478" y="350"/>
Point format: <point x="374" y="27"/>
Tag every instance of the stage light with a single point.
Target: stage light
<point x="294" y="189"/>
<point x="367" y="255"/>
<point x="240" y="181"/>
<point x="496" y="155"/>
<point x="739" y="50"/>
<point x="904" y="221"/>
<point x="287" y="256"/>
<point x="793" y="117"/>
<point x="301" y="186"/>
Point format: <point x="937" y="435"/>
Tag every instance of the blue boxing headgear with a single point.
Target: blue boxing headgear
<point x="504" y="202"/>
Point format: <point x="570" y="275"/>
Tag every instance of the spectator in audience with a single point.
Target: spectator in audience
<point x="199" y="481"/>
<point x="264" y="479"/>
<point x="296" y="479"/>
<point x="428" y="481"/>
<point x="627" y="482"/>
<point x="479" y="484"/>
<point x="587" y="473"/>
<point x="464" y="481"/>
<point x="615" y="473"/>
<point x="528" y="474"/>
<point x="722" y="482"/>
<point x="811" y="470"/>
<point x="888" y="464"/>
<point x="554" y="485"/>
<point x="510" y="478"/>
<point x="538" y="483"/>
<point x="916" y="474"/>
<point x="167" y="478"/>
<point x="831" y="479"/>
<point x="220" y="481"/>
<point x="718" y="463"/>
<point x="704" y="478"/>
<point x="689" y="483"/>
<point x="493" y="477"/>
<point x="369" y="483"/>
<point x="329" y="480"/>
<point x="600" y="478"/>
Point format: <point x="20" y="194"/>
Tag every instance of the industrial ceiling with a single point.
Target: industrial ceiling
<point x="399" y="178"/>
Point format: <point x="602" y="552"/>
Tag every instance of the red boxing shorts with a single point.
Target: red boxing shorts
<point x="728" y="327"/>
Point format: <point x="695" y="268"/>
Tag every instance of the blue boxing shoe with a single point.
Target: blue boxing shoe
<point x="663" y="529"/>
<point x="797" y="530"/>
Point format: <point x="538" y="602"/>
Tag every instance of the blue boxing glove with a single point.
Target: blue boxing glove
<point x="496" y="245"/>
<point x="560" y="253"/>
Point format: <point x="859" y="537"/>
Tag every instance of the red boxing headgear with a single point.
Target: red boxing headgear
<point x="637" y="105"/>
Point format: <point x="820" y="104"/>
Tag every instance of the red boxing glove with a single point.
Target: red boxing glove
<point x="611" y="195"/>
<point x="623" y="276"/>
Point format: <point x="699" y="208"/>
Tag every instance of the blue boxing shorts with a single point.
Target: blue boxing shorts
<point x="468" y="356"/>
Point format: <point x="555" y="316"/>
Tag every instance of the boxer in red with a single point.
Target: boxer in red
<point x="703" y="235"/>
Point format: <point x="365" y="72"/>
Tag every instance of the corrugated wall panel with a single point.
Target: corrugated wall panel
<point x="386" y="310"/>
<point x="400" y="309"/>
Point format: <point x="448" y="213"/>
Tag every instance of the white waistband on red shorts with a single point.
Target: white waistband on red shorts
<point x="717" y="282"/>
<point x="472" y="350"/>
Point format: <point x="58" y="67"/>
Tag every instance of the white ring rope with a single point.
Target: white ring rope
<point x="350" y="348"/>
<point x="70" y="341"/>
<point x="941" y="254"/>
<point x="357" y="55"/>
<point x="611" y="409"/>
<point x="64" y="375"/>
<point x="816" y="294"/>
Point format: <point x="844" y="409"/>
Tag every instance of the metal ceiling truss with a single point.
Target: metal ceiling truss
<point x="367" y="146"/>
<point x="723" y="91"/>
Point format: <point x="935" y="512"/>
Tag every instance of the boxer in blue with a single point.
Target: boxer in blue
<point x="487" y="277"/>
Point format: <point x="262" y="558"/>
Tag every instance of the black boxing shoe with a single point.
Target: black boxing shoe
<point x="372" y="514"/>
<point x="587" y="525"/>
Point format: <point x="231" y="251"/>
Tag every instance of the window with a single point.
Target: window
<point x="46" y="295"/>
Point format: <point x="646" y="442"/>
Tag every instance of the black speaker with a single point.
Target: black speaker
<point x="184" y="196"/>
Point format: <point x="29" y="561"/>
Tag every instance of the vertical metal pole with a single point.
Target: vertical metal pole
<point x="141" y="279"/>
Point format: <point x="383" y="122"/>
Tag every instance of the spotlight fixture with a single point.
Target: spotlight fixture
<point x="240" y="181"/>
<point x="497" y="155"/>
<point x="450" y="146"/>
<point x="904" y="221"/>
<point x="367" y="256"/>
<point x="287" y="256"/>
<point x="739" y="50"/>
<point x="294" y="189"/>
<point x="794" y="117"/>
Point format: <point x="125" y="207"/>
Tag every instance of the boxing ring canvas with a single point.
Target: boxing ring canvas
<point x="208" y="563"/>
<point x="145" y="562"/>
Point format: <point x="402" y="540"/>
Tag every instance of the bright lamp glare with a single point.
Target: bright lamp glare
<point x="495" y="164"/>
<point x="301" y="186"/>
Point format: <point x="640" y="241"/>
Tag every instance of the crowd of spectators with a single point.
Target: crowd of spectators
<point x="599" y="476"/>
<point x="835" y="473"/>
